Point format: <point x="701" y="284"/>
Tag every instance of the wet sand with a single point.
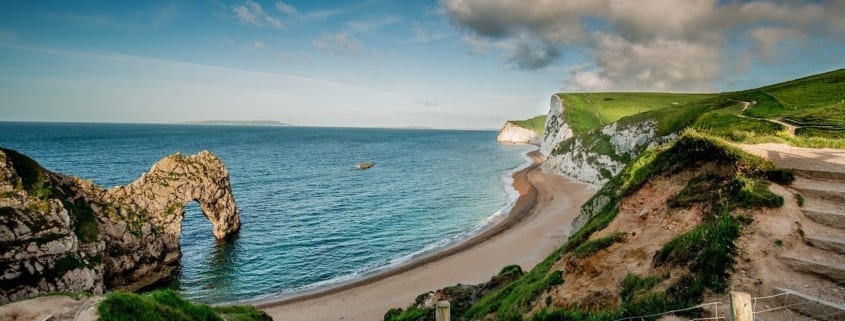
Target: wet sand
<point x="536" y="226"/>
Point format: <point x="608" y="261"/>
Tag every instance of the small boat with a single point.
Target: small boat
<point x="366" y="165"/>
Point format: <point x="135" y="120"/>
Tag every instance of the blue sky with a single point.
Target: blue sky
<point x="444" y="64"/>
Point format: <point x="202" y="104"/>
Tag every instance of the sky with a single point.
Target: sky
<point x="380" y="63"/>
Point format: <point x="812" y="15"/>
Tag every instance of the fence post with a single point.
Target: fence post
<point x="741" y="308"/>
<point x="442" y="313"/>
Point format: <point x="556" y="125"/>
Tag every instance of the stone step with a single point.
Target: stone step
<point x="826" y="243"/>
<point x="836" y="220"/>
<point x="812" y="306"/>
<point x="821" y="193"/>
<point x="818" y="184"/>
<point x="815" y="174"/>
<point x="831" y="266"/>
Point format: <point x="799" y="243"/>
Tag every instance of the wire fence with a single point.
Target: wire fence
<point x="761" y="307"/>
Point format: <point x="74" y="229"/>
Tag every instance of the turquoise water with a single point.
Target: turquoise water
<point x="309" y="218"/>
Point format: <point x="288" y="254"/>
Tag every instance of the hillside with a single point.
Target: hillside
<point x="683" y="213"/>
<point x="581" y="142"/>
<point x="536" y="124"/>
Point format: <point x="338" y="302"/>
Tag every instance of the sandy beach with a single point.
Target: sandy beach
<point x="536" y="226"/>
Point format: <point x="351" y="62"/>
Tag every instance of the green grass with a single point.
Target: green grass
<point x="587" y="111"/>
<point x="734" y="128"/>
<point x="707" y="250"/>
<point x="166" y="305"/>
<point x="749" y="192"/>
<point x="809" y="132"/>
<point x="32" y="175"/>
<point x="816" y="102"/>
<point x="591" y="247"/>
<point x="409" y="314"/>
<point x="536" y="124"/>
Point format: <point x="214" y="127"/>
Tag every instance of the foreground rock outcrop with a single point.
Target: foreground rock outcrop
<point x="63" y="233"/>
<point x="512" y="133"/>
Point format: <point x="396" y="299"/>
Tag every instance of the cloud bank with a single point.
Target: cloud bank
<point x="644" y="44"/>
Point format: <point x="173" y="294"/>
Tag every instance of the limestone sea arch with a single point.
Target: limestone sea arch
<point x="63" y="233"/>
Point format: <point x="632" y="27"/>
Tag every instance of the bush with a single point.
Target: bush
<point x="708" y="250"/>
<point x="593" y="246"/>
<point x="555" y="279"/>
<point x="166" y="305"/>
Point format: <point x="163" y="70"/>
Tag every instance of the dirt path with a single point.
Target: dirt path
<point x="790" y="129"/>
<point x="813" y="159"/>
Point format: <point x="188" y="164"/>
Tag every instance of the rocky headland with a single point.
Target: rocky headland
<point x="63" y="233"/>
<point x="512" y="133"/>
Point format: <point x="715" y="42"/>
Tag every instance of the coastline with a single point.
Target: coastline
<point x="536" y="225"/>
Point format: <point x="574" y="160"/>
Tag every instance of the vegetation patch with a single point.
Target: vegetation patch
<point x="166" y="305"/>
<point x="708" y="250"/>
<point x="831" y="133"/>
<point x="752" y="193"/>
<point x="591" y="247"/>
<point x="588" y="111"/>
<point x="536" y="124"/>
<point x="31" y="174"/>
<point x="735" y="128"/>
<point x="799" y="199"/>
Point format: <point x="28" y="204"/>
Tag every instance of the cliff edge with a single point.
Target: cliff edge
<point x="63" y="233"/>
<point x="527" y="131"/>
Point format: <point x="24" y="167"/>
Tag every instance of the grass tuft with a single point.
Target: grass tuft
<point x="166" y="305"/>
<point x="591" y="247"/>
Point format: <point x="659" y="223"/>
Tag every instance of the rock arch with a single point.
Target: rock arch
<point x="145" y="217"/>
<point x="63" y="233"/>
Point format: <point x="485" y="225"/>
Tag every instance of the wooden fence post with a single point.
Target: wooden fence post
<point x="741" y="307"/>
<point x="442" y="313"/>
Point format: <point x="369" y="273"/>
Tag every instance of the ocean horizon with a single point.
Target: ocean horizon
<point x="309" y="218"/>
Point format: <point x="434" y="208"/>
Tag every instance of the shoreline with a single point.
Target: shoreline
<point x="524" y="204"/>
<point x="542" y="197"/>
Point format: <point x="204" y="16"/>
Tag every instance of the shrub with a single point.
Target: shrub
<point x="166" y="305"/>
<point x="591" y="247"/>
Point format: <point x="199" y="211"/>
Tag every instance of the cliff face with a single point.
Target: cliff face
<point x="62" y="233"/>
<point x="515" y="134"/>
<point x="596" y="156"/>
<point x="556" y="129"/>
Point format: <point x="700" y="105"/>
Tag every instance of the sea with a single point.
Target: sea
<point x="309" y="218"/>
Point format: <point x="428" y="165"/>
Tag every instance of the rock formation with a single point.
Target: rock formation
<point x="62" y="233"/>
<point x="556" y="128"/>
<point x="596" y="156"/>
<point x="514" y="134"/>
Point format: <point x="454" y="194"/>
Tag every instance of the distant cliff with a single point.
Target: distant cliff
<point x="527" y="131"/>
<point x="62" y="233"/>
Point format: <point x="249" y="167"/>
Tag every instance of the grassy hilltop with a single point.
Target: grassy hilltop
<point x="536" y="124"/>
<point x="704" y="181"/>
<point x="808" y="112"/>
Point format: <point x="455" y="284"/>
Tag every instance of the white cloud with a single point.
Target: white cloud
<point x="259" y="45"/>
<point x="370" y="25"/>
<point x="423" y="34"/>
<point x="250" y="12"/>
<point x="769" y="39"/>
<point x="590" y="81"/>
<point x="286" y="8"/>
<point x="338" y="43"/>
<point x="477" y="45"/>
<point x="644" y="44"/>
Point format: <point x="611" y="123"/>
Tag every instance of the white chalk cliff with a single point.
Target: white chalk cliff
<point x="596" y="156"/>
<point x="514" y="134"/>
